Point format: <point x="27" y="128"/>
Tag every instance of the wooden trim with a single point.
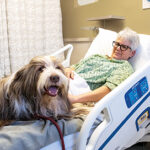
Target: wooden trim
<point x="86" y="39"/>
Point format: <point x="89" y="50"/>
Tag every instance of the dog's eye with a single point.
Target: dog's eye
<point x="41" y="68"/>
<point x="58" y="67"/>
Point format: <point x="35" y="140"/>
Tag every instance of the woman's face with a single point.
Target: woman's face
<point x="122" y="50"/>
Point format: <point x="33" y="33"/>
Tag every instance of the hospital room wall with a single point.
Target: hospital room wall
<point x="75" y="18"/>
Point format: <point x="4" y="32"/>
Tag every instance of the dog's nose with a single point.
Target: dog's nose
<point x="54" y="78"/>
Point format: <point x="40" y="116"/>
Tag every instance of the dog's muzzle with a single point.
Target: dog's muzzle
<point x="54" y="89"/>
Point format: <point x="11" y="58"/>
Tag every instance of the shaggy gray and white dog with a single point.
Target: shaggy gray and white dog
<point x="40" y="87"/>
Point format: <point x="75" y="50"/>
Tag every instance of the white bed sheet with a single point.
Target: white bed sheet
<point x="78" y="85"/>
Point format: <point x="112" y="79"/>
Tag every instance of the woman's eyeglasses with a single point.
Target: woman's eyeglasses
<point x="122" y="47"/>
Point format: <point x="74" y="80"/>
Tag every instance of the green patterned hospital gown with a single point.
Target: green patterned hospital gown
<point x="100" y="70"/>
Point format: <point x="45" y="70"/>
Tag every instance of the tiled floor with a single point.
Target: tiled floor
<point x="140" y="146"/>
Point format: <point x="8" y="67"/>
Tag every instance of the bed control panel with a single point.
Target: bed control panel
<point x="136" y="92"/>
<point x="143" y="120"/>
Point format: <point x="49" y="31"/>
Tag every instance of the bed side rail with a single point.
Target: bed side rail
<point x="69" y="49"/>
<point x="121" y="126"/>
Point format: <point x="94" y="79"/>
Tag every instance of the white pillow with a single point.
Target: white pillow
<point x="142" y="53"/>
<point x="102" y="44"/>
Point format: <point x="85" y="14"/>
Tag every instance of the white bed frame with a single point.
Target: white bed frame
<point x="67" y="50"/>
<point x="119" y="129"/>
<point x="124" y="124"/>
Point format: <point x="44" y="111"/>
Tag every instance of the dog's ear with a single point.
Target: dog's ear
<point x="25" y="81"/>
<point x="31" y="75"/>
<point x="19" y="75"/>
<point x="17" y="82"/>
<point x="4" y="109"/>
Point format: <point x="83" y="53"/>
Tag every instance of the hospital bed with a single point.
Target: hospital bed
<point x="125" y="111"/>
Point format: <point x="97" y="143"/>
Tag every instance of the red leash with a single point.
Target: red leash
<point x="56" y="125"/>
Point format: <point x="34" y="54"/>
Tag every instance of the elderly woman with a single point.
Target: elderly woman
<point x="103" y="73"/>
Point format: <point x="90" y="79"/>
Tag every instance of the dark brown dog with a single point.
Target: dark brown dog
<point x="40" y="87"/>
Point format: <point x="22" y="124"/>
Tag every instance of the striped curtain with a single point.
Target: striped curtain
<point x="28" y="28"/>
<point x="5" y="68"/>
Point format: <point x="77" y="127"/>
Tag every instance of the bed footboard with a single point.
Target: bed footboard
<point x="125" y="115"/>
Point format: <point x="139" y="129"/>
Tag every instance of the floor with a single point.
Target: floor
<point x="140" y="146"/>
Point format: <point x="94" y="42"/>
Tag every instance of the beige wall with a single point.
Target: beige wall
<point x="76" y="17"/>
<point x="80" y="47"/>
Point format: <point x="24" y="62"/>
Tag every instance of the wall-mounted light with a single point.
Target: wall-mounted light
<point x="85" y="2"/>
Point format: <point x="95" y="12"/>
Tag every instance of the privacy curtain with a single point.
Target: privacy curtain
<point x="28" y="28"/>
<point x="4" y="53"/>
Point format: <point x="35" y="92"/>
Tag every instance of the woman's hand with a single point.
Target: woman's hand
<point x="72" y="98"/>
<point x="69" y="73"/>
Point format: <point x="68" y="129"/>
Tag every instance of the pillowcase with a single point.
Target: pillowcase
<point x="102" y="44"/>
<point x="142" y="53"/>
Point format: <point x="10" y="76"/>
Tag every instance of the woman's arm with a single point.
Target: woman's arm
<point x="92" y="96"/>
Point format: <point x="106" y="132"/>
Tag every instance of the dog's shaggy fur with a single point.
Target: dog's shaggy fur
<point x="40" y="87"/>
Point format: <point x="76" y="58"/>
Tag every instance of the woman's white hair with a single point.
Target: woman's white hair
<point x="131" y="36"/>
